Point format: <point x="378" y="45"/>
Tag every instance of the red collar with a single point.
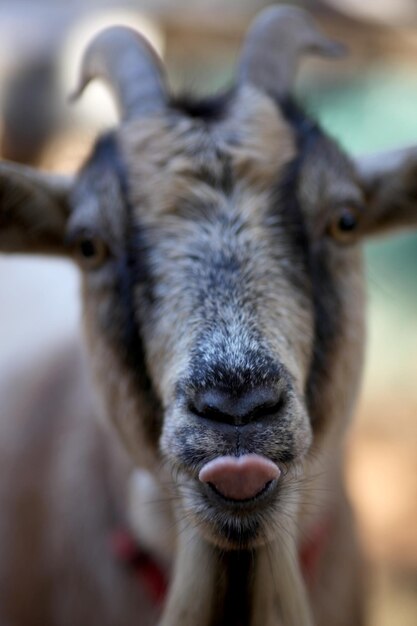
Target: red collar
<point x="147" y="572"/>
<point x="150" y="575"/>
<point x="313" y="547"/>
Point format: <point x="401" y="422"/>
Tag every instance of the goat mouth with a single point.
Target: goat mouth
<point x="232" y="524"/>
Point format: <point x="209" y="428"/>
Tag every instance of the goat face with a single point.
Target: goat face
<point x="219" y="242"/>
<point x="218" y="302"/>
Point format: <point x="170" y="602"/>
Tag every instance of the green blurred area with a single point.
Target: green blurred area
<point x="374" y="111"/>
<point x="377" y="110"/>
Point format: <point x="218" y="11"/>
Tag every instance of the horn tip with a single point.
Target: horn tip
<point x="275" y="40"/>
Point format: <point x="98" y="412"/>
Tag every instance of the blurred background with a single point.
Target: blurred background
<point x="368" y="101"/>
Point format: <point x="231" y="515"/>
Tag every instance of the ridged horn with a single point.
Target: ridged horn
<point x="123" y="59"/>
<point x="275" y="41"/>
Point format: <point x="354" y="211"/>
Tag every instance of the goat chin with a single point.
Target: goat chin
<point x="279" y="598"/>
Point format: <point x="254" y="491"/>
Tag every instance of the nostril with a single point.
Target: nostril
<point x="268" y="409"/>
<point x="206" y="410"/>
<point x="238" y="409"/>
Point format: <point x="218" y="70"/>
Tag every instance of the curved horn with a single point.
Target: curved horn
<point x="125" y="60"/>
<point x="273" y="45"/>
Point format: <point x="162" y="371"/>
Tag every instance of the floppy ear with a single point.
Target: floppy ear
<point x="34" y="209"/>
<point x="390" y="183"/>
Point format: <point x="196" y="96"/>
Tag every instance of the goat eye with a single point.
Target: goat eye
<point x="91" y="252"/>
<point x="344" y="224"/>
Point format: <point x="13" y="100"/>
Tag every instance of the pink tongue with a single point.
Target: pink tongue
<point x="239" y="478"/>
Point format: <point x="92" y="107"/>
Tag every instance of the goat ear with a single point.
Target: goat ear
<point x="34" y="209"/>
<point x="390" y="184"/>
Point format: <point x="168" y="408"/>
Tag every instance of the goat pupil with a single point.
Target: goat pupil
<point x="347" y="221"/>
<point x="87" y="248"/>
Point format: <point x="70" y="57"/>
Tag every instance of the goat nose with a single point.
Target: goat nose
<point x="237" y="409"/>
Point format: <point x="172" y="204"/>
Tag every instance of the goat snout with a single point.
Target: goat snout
<point x="235" y="409"/>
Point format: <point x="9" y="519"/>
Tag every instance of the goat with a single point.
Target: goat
<point x="219" y="242"/>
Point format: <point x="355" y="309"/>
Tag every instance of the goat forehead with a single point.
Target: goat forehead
<point x="176" y="160"/>
<point x="202" y="197"/>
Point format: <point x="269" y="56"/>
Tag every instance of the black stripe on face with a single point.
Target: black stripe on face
<point x="130" y="267"/>
<point x="127" y="264"/>
<point x="326" y="301"/>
